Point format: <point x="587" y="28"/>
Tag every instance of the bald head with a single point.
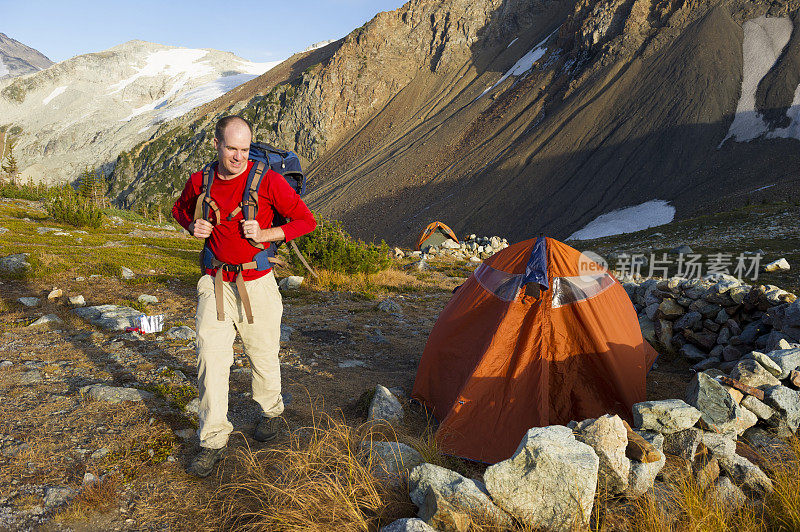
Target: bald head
<point x="231" y="121"/>
<point x="232" y="138"/>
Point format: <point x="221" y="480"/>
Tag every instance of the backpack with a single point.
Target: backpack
<point x="265" y="157"/>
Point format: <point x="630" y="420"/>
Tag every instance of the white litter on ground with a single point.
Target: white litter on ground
<point x="56" y="92"/>
<point x="627" y="220"/>
<point x="764" y="39"/>
<point x="524" y="64"/>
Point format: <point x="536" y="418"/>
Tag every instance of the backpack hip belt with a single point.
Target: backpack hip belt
<point x="262" y="261"/>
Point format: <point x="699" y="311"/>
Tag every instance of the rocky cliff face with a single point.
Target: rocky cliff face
<point x="84" y="111"/>
<point x="16" y="59"/>
<point x="524" y="116"/>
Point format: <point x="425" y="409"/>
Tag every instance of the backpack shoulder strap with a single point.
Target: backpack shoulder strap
<point x="204" y="200"/>
<point x="249" y="205"/>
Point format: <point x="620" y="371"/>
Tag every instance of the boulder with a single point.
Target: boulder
<point x="705" y="471"/>
<point x="112" y="394"/>
<point x="147" y="299"/>
<point x="786" y="360"/>
<point x="746" y="474"/>
<point x="57" y="495"/>
<point x="753" y="374"/>
<point x="669" y="309"/>
<point x="390" y="306"/>
<point x="286" y="333"/>
<point x="787" y="402"/>
<point x="292" y="282"/>
<point x="683" y="443"/>
<point x="643" y="475"/>
<point x="54" y="294"/>
<point x="530" y="485"/>
<point x="718" y="409"/>
<point x="719" y="446"/>
<point x="691" y="353"/>
<point x="29" y="301"/>
<point x="77" y="301"/>
<point x="448" y="501"/>
<point x="32" y="376"/>
<point x="689" y="320"/>
<point x="181" y="332"/>
<point x="760" y="409"/>
<point x="126" y="273"/>
<point x="385" y="406"/>
<point x="666" y="416"/>
<point x="391" y="460"/>
<point x="608" y="437"/>
<point x="109" y="317"/>
<point x="728" y="494"/>
<point x="408" y="524"/>
<point x="14" y="264"/>
<point x="766" y="362"/>
<point x="47" y="318"/>
<point x="779" y="265"/>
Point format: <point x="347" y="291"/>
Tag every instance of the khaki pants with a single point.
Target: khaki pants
<point x="215" y="352"/>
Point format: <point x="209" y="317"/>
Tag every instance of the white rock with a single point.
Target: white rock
<point x="531" y="484"/>
<point x="391" y="460"/>
<point x="446" y="499"/>
<point x="113" y="394"/>
<point x="181" y="332"/>
<point x="292" y="282"/>
<point x="77" y="301"/>
<point x="670" y="415"/>
<point x="385" y="406"/>
<point x="779" y="265"/>
<point x="408" y="524"/>
<point x="29" y="301"/>
<point x="450" y="244"/>
<point x="608" y="437"/>
<point x="48" y="318"/>
<point x="110" y="317"/>
<point x="147" y="299"/>
<point x="126" y="273"/>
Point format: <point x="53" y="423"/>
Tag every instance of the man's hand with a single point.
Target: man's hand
<point x="200" y="228"/>
<point x="251" y="230"/>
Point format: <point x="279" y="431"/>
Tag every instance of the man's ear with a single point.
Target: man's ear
<point x="216" y="143"/>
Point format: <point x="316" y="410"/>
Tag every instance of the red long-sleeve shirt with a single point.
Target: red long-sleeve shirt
<point x="227" y="241"/>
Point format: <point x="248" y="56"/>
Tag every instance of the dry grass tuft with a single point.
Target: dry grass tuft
<point x="321" y="480"/>
<point x="96" y="498"/>
<point x="783" y="504"/>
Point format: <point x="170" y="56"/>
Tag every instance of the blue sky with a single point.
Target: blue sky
<point x="257" y="31"/>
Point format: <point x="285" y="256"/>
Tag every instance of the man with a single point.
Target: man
<point x="257" y="320"/>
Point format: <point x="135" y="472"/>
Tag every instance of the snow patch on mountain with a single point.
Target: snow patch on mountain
<point x="3" y="68"/>
<point x="56" y="92"/>
<point x="764" y="40"/>
<point x="319" y="45"/>
<point x="176" y="62"/>
<point x="627" y="220"/>
<point x="202" y="94"/>
<point x="524" y="64"/>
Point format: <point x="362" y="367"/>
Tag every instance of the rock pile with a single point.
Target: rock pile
<point x="715" y="321"/>
<point x="757" y="403"/>
<point x="474" y="248"/>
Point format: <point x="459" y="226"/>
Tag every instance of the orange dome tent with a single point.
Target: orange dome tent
<point x="434" y="234"/>
<point x="538" y="335"/>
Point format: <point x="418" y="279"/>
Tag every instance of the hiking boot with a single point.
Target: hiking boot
<point x="203" y="464"/>
<point x="267" y="429"/>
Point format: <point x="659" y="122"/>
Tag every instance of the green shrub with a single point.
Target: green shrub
<point x="69" y="208"/>
<point x="27" y="192"/>
<point x="330" y="247"/>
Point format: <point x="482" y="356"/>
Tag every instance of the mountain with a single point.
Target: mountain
<point x="516" y="117"/>
<point x="16" y="59"/>
<point x="86" y="110"/>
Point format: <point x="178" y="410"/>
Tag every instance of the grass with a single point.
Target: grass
<point x="321" y="480"/>
<point x="98" y="497"/>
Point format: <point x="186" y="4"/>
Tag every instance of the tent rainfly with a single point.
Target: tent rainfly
<point x="434" y="234"/>
<point x="538" y="335"/>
